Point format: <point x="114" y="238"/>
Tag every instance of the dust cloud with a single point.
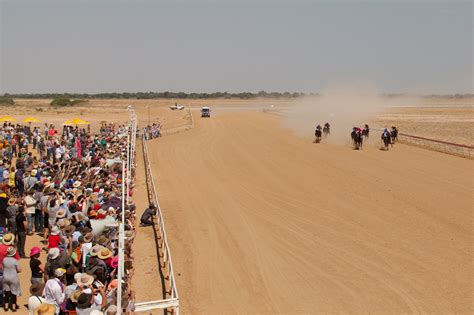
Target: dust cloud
<point x="343" y="108"/>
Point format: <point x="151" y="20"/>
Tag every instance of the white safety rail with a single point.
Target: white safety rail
<point x="172" y="300"/>
<point x="127" y="167"/>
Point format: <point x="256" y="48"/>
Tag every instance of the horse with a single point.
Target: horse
<point x="394" y="136"/>
<point x="357" y="140"/>
<point x="318" y="135"/>
<point x="326" y="131"/>
<point x="365" y="132"/>
<point x="386" y="139"/>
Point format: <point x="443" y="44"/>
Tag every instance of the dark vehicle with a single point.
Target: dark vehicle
<point x="205" y="112"/>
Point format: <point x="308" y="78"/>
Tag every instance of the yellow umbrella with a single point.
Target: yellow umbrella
<point x="76" y="121"/>
<point x="7" y="118"/>
<point x="31" y="120"/>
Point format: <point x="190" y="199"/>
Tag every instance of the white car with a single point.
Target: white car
<point x="176" y="106"/>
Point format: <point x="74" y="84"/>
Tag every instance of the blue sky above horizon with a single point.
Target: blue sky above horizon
<point x="205" y="46"/>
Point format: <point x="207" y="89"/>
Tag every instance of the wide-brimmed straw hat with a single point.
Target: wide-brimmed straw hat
<point x="84" y="300"/>
<point x="8" y="239"/>
<point x="11" y="201"/>
<point x="36" y="289"/>
<point x="63" y="222"/>
<point x="69" y="230"/>
<point x="55" y="230"/>
<point x="53" y="253"/>
<point x="103" y="240"/>
<point x="88" y="237"/>
<point x="85" y="280"/>
<point x="11" y="251"/>
<point x="95" y="250"/>
<point x="76" y="184"/>
<point x="75" y="295"/>
<point x="45" y="309"/>
<point x="104" y="253"/>
<point x="61" y="213"/>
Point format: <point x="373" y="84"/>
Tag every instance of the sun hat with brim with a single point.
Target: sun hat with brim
<point x="11" y="251"/>
<point x="95" y="250"/>
<point x="96" y="312"/>
<point x="61" y="213"/>
<point x="69" y="230"/>
<point x="53" y="253"/>
<point x="35" y="251"/>
<point x="84" y="301"/>
<point x="85" y="280"/>
<point x="75" y="295"/>
<point x="45" y="309"/>
<point x="103" y="240"/>
<point x="11" y="201"/>
<point x="36" y="289"/>
<point x="104" y="253"/>
<point x="54" y="230"/>
<point x="76" y="184"/>
<point x="63" y="223"/>
<point x="111" y="310"/>
<point x="60" y="272"/>
<point x="88" y="237"/>
<point x="8" y="239"/>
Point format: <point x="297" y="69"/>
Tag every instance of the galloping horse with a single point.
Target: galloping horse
<point x="394" y="135"/>
<point x="326" y="130"/>
<point x="365" y="131"/>
<point x="386" y="138"/>
<point x="317" y="134"/>
<point x="357" y="139"/>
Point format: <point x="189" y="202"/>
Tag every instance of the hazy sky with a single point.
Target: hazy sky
<point x="203" y="46"/>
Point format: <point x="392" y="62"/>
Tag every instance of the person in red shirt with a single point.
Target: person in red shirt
<point x="54" y="239"/>
<point x="7" y="241"/>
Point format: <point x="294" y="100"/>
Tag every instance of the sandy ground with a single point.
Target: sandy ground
<point x="262" y="222"/>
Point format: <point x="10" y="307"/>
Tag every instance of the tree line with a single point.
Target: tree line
<point x="153" y="95"/>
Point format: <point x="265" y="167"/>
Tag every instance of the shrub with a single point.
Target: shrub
<point x="6" y="101"/>
<point x="62" y="102"/>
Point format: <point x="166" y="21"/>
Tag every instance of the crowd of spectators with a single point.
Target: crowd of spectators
<point x="65" y="187"/>
<point x="152" y="131"/>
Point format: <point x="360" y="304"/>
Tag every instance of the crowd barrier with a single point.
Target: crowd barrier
<point x="171" y="298"/>
<point x="438" y="145"/>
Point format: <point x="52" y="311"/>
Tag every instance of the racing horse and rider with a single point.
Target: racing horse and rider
<point x="326" y="129"/>
<point x="386" y="138"/>
<point x="365" y="131"/>
<point x="318" y="134"/>
<point x="356" y="136"/>
<point x="394" y="134"/>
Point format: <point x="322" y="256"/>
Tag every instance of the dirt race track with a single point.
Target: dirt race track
<point x="263" y="222"/>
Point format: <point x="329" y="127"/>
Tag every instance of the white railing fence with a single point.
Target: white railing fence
<point x="172" y="299"/>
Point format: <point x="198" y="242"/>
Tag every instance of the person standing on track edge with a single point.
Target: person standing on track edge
<point x="147" y="216"/>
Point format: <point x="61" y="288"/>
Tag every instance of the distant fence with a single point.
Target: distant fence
<point x="176" y="129"/>
<point x="438" y="145"/>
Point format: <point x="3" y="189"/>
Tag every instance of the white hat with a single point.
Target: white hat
<point x="53" y="253"/>
<point x="54" y="230"/>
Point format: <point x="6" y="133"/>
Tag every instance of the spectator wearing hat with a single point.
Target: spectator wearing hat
<point x="21" y="227"/>
<point x="36" y="267"/>
<point x="45" y="309"/>
<point x="54" y="290"/>
<point x="85" y="248"/>
<point x="8" y="240"/>
<point x="35" y="299"/>
<point x="12" y="211"/>
<point x="39" y="221"/>
<point x="11" y="282"/>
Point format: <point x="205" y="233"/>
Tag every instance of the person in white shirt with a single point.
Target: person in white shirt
<point x="35" y="300"/>
<point x="30" y="208"/>
<point x="54" y="290"/>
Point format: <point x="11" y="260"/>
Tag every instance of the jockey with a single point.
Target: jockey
<point x="385" y="132"/>
<point x="318" y="127"/>
<point x="326" y="125"/>
<point x="366" y="126"/>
